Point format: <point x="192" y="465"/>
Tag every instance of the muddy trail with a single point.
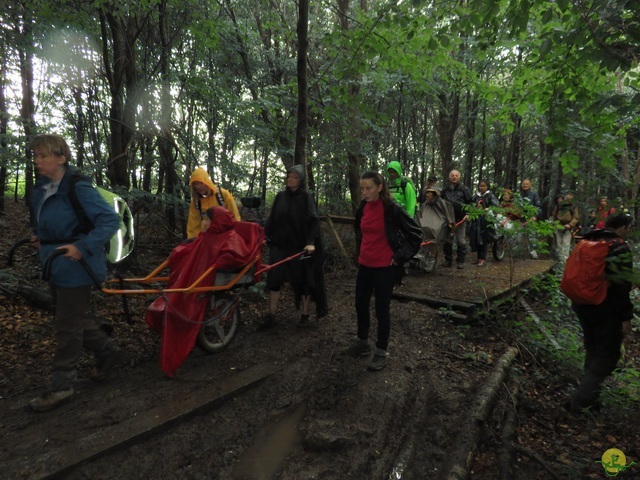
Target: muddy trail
<point x="460" y="397"/>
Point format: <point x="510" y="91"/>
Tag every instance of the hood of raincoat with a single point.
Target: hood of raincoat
<point x="201" y="175"/>
<point x="298" y="170"/>
<point x="222" y="220"/>
<point x="395" y="165"/>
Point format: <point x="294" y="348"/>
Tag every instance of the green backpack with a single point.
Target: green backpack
<point x="120" y="246"/>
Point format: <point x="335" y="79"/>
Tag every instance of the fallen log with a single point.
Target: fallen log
<point x="12" y="285"/>
<point x="551" y="469"/>
<point x="467" y="442"/>
<point x="505" y="459"/>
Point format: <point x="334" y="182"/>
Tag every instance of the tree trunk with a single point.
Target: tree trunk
<point x="299" y="155"/>
<point x="80" y="129"/>
<point x="513" y="155"/>
<point x="470" y="130"/>
<point x="165" y="140"/>
<point x="120" y="69"/>
<point x="27" y="108"/>
<point x="4" y="119"/>
<point x="353" y="175"/>
<point x="355" y="159"/>
<point x="446" y="126"/>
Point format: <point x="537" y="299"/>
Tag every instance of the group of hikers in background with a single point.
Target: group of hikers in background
<point x="452" y="215"/>
<point x="391" y="224"/>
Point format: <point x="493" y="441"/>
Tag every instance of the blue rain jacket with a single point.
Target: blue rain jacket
<point x="55" y="220"/>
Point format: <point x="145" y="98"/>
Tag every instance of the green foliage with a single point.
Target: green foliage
<point x="553" y="77"/>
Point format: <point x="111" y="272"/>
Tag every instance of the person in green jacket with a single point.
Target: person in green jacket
<point x="401" y="188"/>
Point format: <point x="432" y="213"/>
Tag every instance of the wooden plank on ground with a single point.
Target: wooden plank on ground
<point x="535" y="318"/>
<point x="150" y="422"/>
<point x="436" y="302"/>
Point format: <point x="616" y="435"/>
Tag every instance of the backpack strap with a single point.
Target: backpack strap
<point x="219" y="197"/>
<point x="84" y="224"/>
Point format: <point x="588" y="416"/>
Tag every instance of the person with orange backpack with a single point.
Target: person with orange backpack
<point x="597" y="280"/>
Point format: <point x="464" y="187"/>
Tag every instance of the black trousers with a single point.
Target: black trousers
<point x="602" y="342"/>
<point x="378" y="281"/>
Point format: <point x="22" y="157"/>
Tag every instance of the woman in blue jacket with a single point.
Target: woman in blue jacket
<point x="56" y="224"/>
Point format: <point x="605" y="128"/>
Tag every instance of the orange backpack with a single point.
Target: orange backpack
<point x="583" y="280"/>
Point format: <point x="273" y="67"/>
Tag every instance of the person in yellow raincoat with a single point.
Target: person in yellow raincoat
<point x="204" y="195"/>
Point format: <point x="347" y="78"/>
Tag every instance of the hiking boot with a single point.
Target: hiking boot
<point x="50" y="400"/>
<point x="447" y="263"/>
<point x="269" y="320"/>
<point x="481" y="263"/>
<point x="459" y="265"/>
<point x="378" y="361"/>
<point x="304" y="321"/>
<point x="106" y="363"/>
<point x="358" y="348"/>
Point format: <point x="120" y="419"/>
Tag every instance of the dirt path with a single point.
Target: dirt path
<point x="283" y="403"/>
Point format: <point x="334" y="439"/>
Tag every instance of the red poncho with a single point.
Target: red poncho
<point x="228" y="244"/>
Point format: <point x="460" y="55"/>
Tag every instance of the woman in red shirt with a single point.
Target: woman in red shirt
<point x="603" y="212"/>
<point x="386" y="237"/>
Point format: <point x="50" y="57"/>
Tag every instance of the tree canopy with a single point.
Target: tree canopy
<point x="502" y="90"/>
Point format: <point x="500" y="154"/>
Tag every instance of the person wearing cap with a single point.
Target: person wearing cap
<point x="436" y="218"/>
<point x="431" y="183"/>
<point x="460" y="197"/>
<point x="293" y="226"/>
<point x="204" y="195"/>
<point x="568" y="217"/>
<point x="481" y="231"/>
<point x="401" y="188"/>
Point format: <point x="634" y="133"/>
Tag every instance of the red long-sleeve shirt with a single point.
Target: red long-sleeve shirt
<point x="375" y="251"/>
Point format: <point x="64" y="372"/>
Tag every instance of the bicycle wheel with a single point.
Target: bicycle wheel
<point x="498" y="248"/>
<point x="220" y="325"/>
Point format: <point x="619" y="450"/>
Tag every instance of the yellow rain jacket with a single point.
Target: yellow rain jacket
<point x="204" y="202"/>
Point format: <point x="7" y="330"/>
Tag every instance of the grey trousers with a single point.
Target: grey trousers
<point x="73" y="329"/>
<point x="461" y="247"/>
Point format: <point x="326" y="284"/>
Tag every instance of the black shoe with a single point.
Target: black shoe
<point x="107" y="363"/>
<point x="447" y="263"/>
<point x="304" y="321"/>
<point x="50" y="400"/>
<point x="378" y="361"/>
<point x="269" y="320"/>
<point x="358" y="348"/>
<point x="460" y="265"/>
